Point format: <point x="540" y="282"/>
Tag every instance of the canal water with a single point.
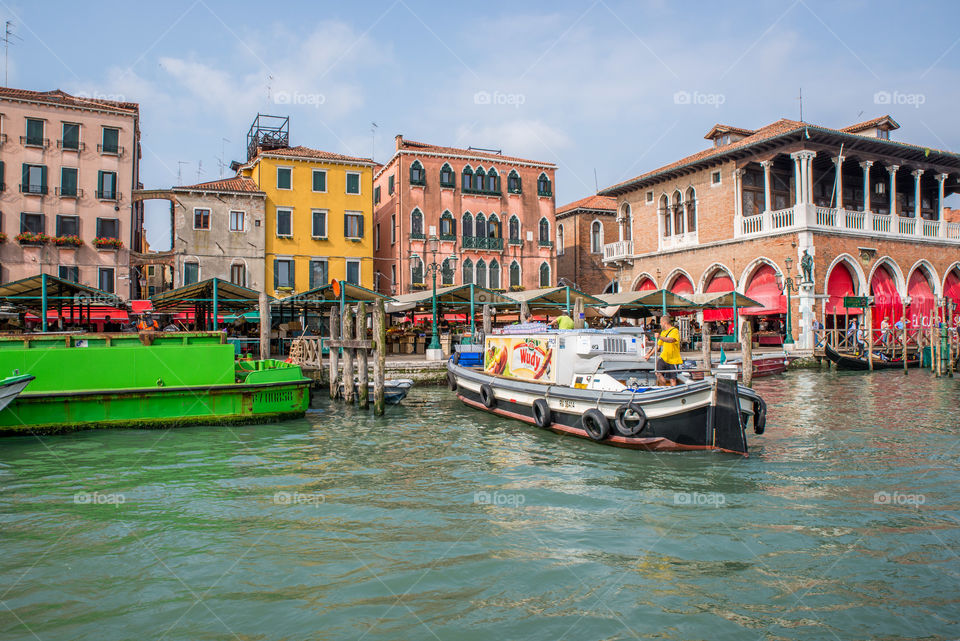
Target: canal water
<point x="440" y="522"/>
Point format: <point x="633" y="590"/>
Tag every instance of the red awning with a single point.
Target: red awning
<point x="96" y="314"/>
<point x="141" y="306"/>
<point x="681" y="285"/>
<point x="763" y="288"/>
<point x="720" y="283"/>
<point x="922" y="301"/>
<point x="839" y="285"/>
<point x="886" y="299"/>
<point x="645" y="285"/>
<point x="951" y="290"/>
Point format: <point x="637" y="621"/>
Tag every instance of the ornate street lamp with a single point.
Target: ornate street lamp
<point x="787" y="286"/>
<point x="433" y="246"/>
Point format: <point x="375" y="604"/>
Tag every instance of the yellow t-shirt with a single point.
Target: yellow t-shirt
<point x="670" y="352"/>
<point x="564" y="322"/>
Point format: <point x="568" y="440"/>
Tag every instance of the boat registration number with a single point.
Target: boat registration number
<point x="567" y="404"/>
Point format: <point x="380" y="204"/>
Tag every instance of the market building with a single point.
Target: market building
<point x="218" y="230"/>
<point x="583" y="227"/>
<point x="495" y="213"/>
<point x="318" y="209"/>
<point x="68" y="167"/>
<point x="837" y="211"/>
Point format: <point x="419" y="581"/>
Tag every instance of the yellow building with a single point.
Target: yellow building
<point x="319" y="211"/>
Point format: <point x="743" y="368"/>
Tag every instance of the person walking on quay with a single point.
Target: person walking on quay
<point x="668" y="344"/>
<point x="885" y="331"/>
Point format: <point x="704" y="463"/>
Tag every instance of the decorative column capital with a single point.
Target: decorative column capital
<point x="866" y="164"/>
<point x="917" y="173"/>
<point x="837" y="160"/>
<point x="942" y="177"/>
<point x="738" y="172"/>
<point x="766" y="164"/>
<point x="893" y="168"/>
<point x="803" y="154"/>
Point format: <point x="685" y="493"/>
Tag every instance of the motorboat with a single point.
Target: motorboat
<point x="859" y="362"/>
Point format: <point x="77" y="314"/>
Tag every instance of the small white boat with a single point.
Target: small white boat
<point x="394" y="389"/>
<point x="11" y="386"/>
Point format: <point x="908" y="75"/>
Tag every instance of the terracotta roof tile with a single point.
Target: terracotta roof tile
<point x="58" y="97"/>
<point x="412" y="145"/>
<point x="719" y="128"/>
<point x="867" y="124"/>
<point x="595" y="202"/>
<point x="307" y="152"/>
<point x="236" y="184"/>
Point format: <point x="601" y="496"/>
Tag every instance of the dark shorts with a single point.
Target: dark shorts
<point x="667" y="370"/>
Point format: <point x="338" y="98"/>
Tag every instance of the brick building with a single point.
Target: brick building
<point x="867" y="209"/>
<point x="495" y="212"/>
<point x="583" y="227"/>
<point x="68" y="167"/>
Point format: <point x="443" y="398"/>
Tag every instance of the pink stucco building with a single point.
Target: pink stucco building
<point x="68" y="167"/>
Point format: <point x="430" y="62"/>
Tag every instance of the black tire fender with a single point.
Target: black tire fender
<point x="486" y="395"/>
<point x="621" y="421"/>
<point x="542" y="415"/>
<point x="759" y="416"/>
<point x="452" y="381"/>
<point x="595" y="424"/>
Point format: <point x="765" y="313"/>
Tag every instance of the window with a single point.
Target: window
<point x="393" y="229"/>
<point x="69" y="272"/>
<point x="714" y="178"/>
<point x="416" y="270"/>
<point x="478" y="179"/>
<point x="596" y="237"/>
<point x="33" y="223"/>
<point x="191" y="272"/>
<point x="514" y="274"/>
<point x="515" y="231"/>
<point x="353" y="182"/>
<point x="376" y="238"/>
<point x="416" y="224"/>
<point x="649" y="197"/>
<point x="107" y="185"/>
<point x="544" y="228"/>
<point x="201" y="218"/>
<point x="393" y="277"/>
<point x="110" y="143"/>
<point x="105" y="278"/>
<point x="544" y="275"/>
<point x="480" y="273"/>
<point x="664" y="211"/>
<point x="34" y="136"/>
<point x="690" y="203"/>
<point x="678" y="218"/>
<point x="34" y="179"/>
<point x="238" y="274"/>
<point x="283" y="274"/>
<point x="68" y="225"/>
<point x="68" y="181"/>
<point x="71" y="136"/>
<point x="467" y="271"/>
<point x="353" y="224"/>
<point x="376" y="195"/>
<point x="353" y="271"/>
<point x="480" y="226"/>
<point x="417" y="175"/>
<point x="514" y="185"/>
<point x="446" y="176"/>
<point x="493" y="181"/>
<point x="559" y="240"/>
<point x="284" y="178"/>
<point x="446" y="272"/>
<point x="319" y="224"/>
<point x="494" y="275"/>
<point x="108" y="228"/>
<point x="237" y="220"/>
<point x="319" y="273"/>
<point x="543" y="186"/>
<point x="448" y="226"/>
<point x="466" y="223"/>
<point x="466" y="179"/>
<point x="319" y="180"/>
<point x="284" y="223"/>
<point x="391" y="184"/>
<point x="151" y="270"/>
<point x="493" y="226"/>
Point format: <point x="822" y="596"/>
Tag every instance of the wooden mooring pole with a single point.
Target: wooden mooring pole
<point x="380" y="357"/>
<point x="334" y="352"/>
<point x="264" y="326"/>
<point x="904" y="336"/>
<point x="364" y="384"/>
<point x="705" y="348"/>
<point x="348" y="386"/>
<point x="746" y="349"/>
<point x="869" y="314"/>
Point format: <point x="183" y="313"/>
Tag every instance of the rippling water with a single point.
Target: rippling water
<point x="440" y="522"/>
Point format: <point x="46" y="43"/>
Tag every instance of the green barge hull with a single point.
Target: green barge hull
<point x="144" y="381"/>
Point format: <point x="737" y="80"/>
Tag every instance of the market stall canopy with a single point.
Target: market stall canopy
<point x="454" y="295"/>
<point x="624" y="303"/>
<point x="660" y="300"/>
<point x="29" y="292"/>
<point x="553" y="297"/>
<point x="330" y="294"/>
<point x="229" y="297"/>
<point x="723" y="300"/>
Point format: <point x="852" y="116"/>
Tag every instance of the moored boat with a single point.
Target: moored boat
<point x="764" y="364"/>
<point x="594" y="384"/>
<point x="859" y="362"/>
<point x="394" y="389"/>
<point x="12" y="386"/>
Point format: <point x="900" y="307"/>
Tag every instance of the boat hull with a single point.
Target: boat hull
<point x="852" y="363"/>
<point x="11" y="387"/>
<point x="683" y="418"/>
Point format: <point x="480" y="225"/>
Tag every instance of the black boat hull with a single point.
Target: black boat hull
<point x="855" y="363"/>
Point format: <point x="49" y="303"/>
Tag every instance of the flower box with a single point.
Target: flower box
<point x="108" y="243"/>
<point x="67" y="241"/>
<point x="29" y="238"/>
<point x="3" y="237"/>
<point x="516" y="288"/>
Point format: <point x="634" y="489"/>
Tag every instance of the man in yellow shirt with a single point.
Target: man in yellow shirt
<point x="563" y="322"/>
<point x="668" y="344"/>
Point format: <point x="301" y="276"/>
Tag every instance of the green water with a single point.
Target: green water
<point x="340" y="526"/>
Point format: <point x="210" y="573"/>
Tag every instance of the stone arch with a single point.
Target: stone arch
<point x="894" y="269"/>
<point x="640" y="278"/>
<point x="674" y="275"/>
<point x="935" y="280"/>
<point x="854" y="266"/>
<point x="752" y="267"/>
<point x="946" y="274"/>
<point x="709" y="272"/>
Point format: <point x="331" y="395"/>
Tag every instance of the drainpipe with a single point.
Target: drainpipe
<point x="43" y="301"/>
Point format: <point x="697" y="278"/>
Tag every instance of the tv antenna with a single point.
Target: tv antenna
<point x="220" y="161"/>
<point x="180" y="164"/>
<point x="8" y="36"/>
<point x="199" y="169"/>
<point x="373" y="133"/>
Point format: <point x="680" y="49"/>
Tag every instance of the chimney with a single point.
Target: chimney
<point x="399" y="140"/>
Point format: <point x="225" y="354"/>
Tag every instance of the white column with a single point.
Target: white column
<point x="838" y="161"/>
<point x="893" y="188"/>
<point x="809" y="164"/>
<point x="940" y="221"/>
<point x="797" y="179"/>
<point x="660" y="227"/>
<point x="766" y="164"/>
<point x="866" y="164"/>
<point x="916" y="193"/>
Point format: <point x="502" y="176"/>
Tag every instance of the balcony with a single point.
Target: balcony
<point x="865" y="223"/>
<point x="80" y="146"/>
<point x="620" y="250"/>
<point x="110" y="151"/>
<point x="34" y="142"/>
<point x="417" y="235"/>
<point x="546" y="244"/>
<point x="103" y="194"/>
<point x="480" y="243"/>
<point x="35" y="190"/>
<point x="76" y="193"/>
<point x="515" y="242"/>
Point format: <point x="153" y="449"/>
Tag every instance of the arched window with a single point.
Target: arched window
<point x="494" y="279"/>
<point x="543" y="186"/>
<point x="493" y="181"/>
<point x="467" y="224"/>
<point x="596" y="237"/>
<point x="514" y="274"/>
<point x="514" y="230"/>
<point x="481" y="274"/>
<point x="446" y="176"/>
<point x="514" y="186"/>
<point x="466" y="181"/>
<point x="479" y="176"/>
<point x="678" y="225"/>
<point x="544" y="231"/>
<point x="664" y="211"/>
<point x="480" y="226"/>
<point x="493" y="226"/>
<point x="626" y="222"/>
<point x="448" y="226"/>
<point x="559" y="240"/>
<point x="446" y="272"/>
<point x="416" y="223"/>
<point x="417" y="175"/>
<point x="416" y="270"/>
<point x="691" y="204"/>
<point x="544" y="275"/>
<point x="467" y="271"/>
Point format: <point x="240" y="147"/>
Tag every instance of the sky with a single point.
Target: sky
<point x="604" y="89"/>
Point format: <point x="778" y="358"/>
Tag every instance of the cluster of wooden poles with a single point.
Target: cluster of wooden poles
<point x="938" y="338"/>
<point x="350" y="340"/>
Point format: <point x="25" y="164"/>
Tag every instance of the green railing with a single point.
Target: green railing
<point x="479" y="242"/>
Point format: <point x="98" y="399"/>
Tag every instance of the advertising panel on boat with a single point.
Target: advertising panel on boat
<point x="523" y="357"/>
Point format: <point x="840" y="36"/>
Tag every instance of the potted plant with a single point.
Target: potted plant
<point x="67" y="241"/>
<point x="107" y="243"/>
<point x="30" y="238"/>
<point x="3" y="237"/>
<point x="516" y="288"/>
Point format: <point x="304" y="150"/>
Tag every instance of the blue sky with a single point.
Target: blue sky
<point x="590" y="86"/>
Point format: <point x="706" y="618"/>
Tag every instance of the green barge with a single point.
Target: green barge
<point x="90" y="381"/>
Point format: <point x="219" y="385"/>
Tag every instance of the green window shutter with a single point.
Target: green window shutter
<point x="43" y="178"/>
<point x="346" y="225"/>
<point x="25" y="178"/>
<point x="99" y="182"/>
<point x="319" y="181"/>
<point x="276" y="273"/>
<point x="292" y="270"/>
<point x="360" y="225"/>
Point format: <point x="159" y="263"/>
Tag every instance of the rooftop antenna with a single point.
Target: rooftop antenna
<point x="180" y="164"/>
<point x="596" y="184"/>
<point x="199" y="169"/>
<point x="800" y="98"/>
<point x="373" y="133"/>
<point x="8" y="36"/>
<point x="223" y="153"/>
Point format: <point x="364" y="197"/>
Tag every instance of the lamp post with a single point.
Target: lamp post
<point x="434" y="351"/>
<point x="787" y="286"/>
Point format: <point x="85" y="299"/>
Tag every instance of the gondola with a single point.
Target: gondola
<point x="859" y="363"/>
